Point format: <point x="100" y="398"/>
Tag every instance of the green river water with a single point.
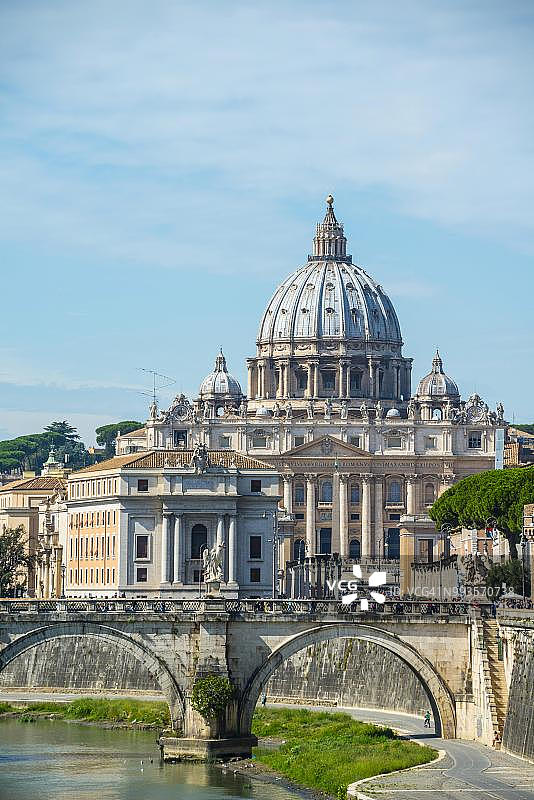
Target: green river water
<point x="56" y="760"/>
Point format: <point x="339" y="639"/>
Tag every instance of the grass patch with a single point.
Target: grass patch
<point x="328" y="751"/>
<point x="87" y="709"/>
<point x="6" y="708"/>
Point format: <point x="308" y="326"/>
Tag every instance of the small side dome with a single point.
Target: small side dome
<point x="220" y="383"/>
<point x="436" y="385"/>
<point x="263" y="411"/>
<point x="393" y="413"/>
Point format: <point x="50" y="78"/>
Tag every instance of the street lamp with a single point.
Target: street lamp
<point x="445" y="532"/>
<point x="274" y="541"/>
<point x="63" y="572"/>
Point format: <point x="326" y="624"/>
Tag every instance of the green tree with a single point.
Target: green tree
<point x="498" y="495"/>
<point x="63" y="429"/>
<point x="525" y="428"/>
<point x="509" y="574"/>
<point x="14" y="560"/>
<point x="106" y="434"/>
<point x="211" y="695"/>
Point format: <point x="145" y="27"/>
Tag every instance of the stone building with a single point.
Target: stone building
<point x="139" y="524"/>
<point x="20" y="502"/>
<point x="329" y="405"/>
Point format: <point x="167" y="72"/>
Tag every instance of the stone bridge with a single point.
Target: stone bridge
<point x="177" y="641"/>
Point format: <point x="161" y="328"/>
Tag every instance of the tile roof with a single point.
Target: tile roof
<point x="138" y="432"/>
<point x="158" y="459"/>
<point x="44" y="483"/>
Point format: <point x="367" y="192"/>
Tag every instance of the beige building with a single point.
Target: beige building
<point x="329" y="405"/>
<point x="19" y="505"/>
<point x="139" y="524"/>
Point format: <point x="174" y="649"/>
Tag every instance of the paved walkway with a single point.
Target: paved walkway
<point x="26" y="696"/>
<point x="469" y="771"/>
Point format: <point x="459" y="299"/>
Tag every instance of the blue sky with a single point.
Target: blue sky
<point x="163" y="166"/>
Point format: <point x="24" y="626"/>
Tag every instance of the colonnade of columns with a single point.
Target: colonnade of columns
<point x="268" y="379"/>
<point x="371" y="506"/>
<point x="173" y="544"/>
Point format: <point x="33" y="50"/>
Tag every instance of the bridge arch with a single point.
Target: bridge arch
<point x="439" y="694"/>
<point x="138" y="650"/>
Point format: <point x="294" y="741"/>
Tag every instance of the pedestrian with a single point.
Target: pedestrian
<point x="427" y="719"/>
<point x="264" y="699"/>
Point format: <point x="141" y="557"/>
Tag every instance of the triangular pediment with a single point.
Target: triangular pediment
<point x="327" y="447"/>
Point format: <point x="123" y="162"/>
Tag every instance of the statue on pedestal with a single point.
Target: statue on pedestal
<point x="212" y="567"/>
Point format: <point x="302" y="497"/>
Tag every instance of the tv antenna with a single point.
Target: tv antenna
<point x="162" y="383"/>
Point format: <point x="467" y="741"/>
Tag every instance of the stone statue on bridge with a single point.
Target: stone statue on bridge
<point x="212" y="564"/>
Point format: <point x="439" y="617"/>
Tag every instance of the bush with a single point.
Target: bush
<point x="211" y="695"/>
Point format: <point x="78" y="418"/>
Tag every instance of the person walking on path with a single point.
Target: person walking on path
<point x="264" y="699"/>
<point x="427" y="719"/>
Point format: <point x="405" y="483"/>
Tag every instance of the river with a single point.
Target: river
<point x="69" y="761"/>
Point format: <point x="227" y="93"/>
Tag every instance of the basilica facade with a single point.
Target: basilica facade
<point x="329" y="405"/>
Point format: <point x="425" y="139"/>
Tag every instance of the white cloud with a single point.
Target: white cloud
<point x="158" y="134"/>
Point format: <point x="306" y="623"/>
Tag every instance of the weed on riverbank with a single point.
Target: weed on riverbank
<point x="123" y="712"/>
<point x="328" y="751"/>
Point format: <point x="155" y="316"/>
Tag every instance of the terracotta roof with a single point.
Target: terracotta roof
<point x="158" y="459"/>
<point x="44" y="483"/>
<point x="138" y="432"/>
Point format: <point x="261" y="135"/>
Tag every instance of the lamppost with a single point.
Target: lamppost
<point x="445" y="532"/>
<point x="275" y="540"/>
<point x="63" y="572"/>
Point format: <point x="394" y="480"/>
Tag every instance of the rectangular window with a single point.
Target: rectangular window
<point x="394" y="517"/>
<point x="329" y="381"/>
<point x="255" y="575"/>
<point x="224" y="442"/>
<point x="102" y="571"/>
<point x="255" y="485"/>
<point x="299" y="516"/>
<point x="70" y="576"/>
<point x="302" y="380"/>
<point x="355" y="440"/>
<point x="142" y="574"/>
<point x="113" y="575"/>
<point x="180" y="439"/>
<point x="259" y="440"/>
<point x="394" y="442"/>
<point x="354" y="517"/>
<point x="141" y="546"/>
<point x="474" y="441"/>
<point x="96" y="576"/>
<point x="431" y="443"/>
<point x="91" y="575"/>
<point x="298" y="440"/>
<point x="71" y="549"/>
<point x="107" y="547"/>
<point x="107" y="575"/>
<point x="113" y="546"/>
<point x="255" y="547"/>
<point x="142" y="485"/>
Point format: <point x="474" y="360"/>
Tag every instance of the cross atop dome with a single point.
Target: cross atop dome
<point x="329" y="241"/>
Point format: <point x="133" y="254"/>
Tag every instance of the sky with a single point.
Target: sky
<point x="163" y="166"/>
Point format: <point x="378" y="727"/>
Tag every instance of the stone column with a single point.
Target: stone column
<point x="316" y="380"/>
<point x="410" y="494"/>
<point x="310" y="515"/>
<point x="250" y="369"/>
<point x="347" y="388"/>
<point x="178" y="548"/>
<point x="366" y="549"/>
<point x="343" y="517"/>
<point x="379" y="514"/>
<point x="288" y="493"/>
<point x="341" y="389"/>
<point x="165" y="539"/>
<point x="309" y="386"/>
<point x="232" y="550"/>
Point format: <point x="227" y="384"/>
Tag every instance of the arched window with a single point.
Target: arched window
<point x="394" y="492"/>
<point x="436" y="414"/>
<point x="326" y="492"/>
<point x="299" y="494"/>
<point x="355" y="494"/>
<point x="199" y="540"/>
<point x="430" y="494"/>
<point x="299" y="550"/>
<point x="354" y="548"/>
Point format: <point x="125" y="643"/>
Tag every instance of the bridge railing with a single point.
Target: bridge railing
<point x="390" y="608"/>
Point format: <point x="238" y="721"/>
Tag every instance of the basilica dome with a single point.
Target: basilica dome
<point x="436" y="384"/>
<point x="329" y="297"/>
<point x="220" y="383"/>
